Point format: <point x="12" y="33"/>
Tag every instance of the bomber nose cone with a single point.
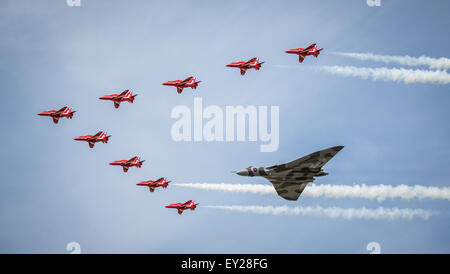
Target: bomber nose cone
<point x="242" y="172"/>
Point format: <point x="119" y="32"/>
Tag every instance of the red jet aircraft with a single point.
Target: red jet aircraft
<point x="183" y="206"/>
<point x="186" y="83"/>
<point x="92" y="139"/>
<point x="244" y="66"/>
<point x="302" y="53"/>
<point x="126" y="95"/>
<point x="126" y="164"/>
<point x="161" y="182"/>
<point x="56" y="114"/>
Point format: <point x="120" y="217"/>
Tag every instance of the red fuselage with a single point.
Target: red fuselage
<point x="303" y="52"/>
<point x="161" y="182"/>
<point x="126" y="164"/>
<point x="181" y="84"/>
<point x="126" y="95"/>
<point x="244" y="66"/>
<point x="92" y="139"/>
<point x="183" y="206"/>
<point x="56" y="114"/>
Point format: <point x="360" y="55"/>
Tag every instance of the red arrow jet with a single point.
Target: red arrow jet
<point x="303" y="52"/>
<point x="126" y="164"/>
<point x="92" y="139"/>
<point x="186" y="83"/>
<point x="244" y="66"/>
<point x="183" y="206"/>
<point x="56" y="114"/>
<point x="126" y="95"/>
<point x="161" y="182"/>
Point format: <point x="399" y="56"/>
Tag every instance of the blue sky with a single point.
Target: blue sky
<point x="55" y="190"/>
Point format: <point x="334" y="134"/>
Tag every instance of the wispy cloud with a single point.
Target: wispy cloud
<point x="378" y="192"/>
<point x="335" y="212"/>
<point x="432" y="63"/>
<point x="406" y="76"/>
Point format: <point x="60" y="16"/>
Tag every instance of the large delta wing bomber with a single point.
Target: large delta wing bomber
<point x="290" y="179"/>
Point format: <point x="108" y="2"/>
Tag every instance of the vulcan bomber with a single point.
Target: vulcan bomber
<point x="290" y="179"/>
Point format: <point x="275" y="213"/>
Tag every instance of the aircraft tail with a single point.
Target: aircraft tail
<point x="131" y="100"/>
<point x="139" y="164"/>
<point x="258" y="66"/>
<point x="70" y="115"/>
<point x="317" y="52"/>
<point x="195" y="84"/>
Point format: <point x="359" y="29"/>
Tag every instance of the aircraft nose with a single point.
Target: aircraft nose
<point x="242" y="172"/>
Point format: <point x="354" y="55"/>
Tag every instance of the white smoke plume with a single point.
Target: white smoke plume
<point x="432" y="63"/>
<point x="378" y="192"/>
<point x="406" y="76"/>
<point x="335" y="212"/>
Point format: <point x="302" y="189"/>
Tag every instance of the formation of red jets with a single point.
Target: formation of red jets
<point x="127" y="96"/>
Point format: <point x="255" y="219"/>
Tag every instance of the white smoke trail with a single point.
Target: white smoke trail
<point x="378" y="192"/>
<point x="335" y="212"/>
<point x="406" y="76"/>
<point x="432" y="63"/>
<point x="256" y="189"/>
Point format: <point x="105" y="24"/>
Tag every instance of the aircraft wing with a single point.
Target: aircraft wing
<point x="251" y="61"/>
<point x="121" y="95"/>
<point x="290" y="179"/>
<point x="301" y="58"/>
<point x="312" y="162"/>
<point x="185" y="81"/>
<point x="61" y="110"/>
<point x="311" y="46"/>
<point x="132" y="159"/>
<point x="288" y="187"/>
